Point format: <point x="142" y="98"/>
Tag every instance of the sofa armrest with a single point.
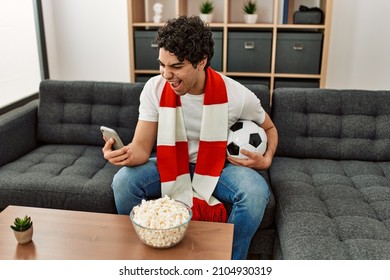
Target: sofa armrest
<point x="18" y="132"/>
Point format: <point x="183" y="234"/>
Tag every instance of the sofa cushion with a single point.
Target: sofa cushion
<point x="17" y="132"/>
<point x="329" y="209"/>
<point x="75" y="177"/>
<point x="332" y="124"/>
<point x="71" y="112"/>
<point x="262" y="93"/>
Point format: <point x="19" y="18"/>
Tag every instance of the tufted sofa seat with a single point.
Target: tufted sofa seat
<point x="331" y="174"/>
<point x="72" y="177"/>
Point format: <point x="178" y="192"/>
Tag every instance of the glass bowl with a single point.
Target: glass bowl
<point x="154" y="228"/>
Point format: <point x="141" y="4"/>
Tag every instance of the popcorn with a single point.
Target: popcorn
<point x="161" y="223"/>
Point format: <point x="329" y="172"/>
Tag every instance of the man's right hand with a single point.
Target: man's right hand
<point x="120" y="157"/>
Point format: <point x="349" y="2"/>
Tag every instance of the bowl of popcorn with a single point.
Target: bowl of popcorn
<point x="161" y="223"/>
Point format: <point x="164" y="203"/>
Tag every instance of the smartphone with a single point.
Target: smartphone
<point x="110" y="133"/>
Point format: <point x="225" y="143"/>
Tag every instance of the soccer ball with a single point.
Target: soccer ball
<point x="246" y="135"/>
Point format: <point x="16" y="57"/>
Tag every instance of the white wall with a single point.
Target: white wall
<point x="87" y="40"/>
<point x="359" y="45"/>
<point x="19" y="60"/>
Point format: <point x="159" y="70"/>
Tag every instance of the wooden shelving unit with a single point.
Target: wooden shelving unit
<point x="230" y="18"/>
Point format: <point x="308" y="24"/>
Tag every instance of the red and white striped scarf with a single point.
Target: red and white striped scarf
<point x="172" y="150"/>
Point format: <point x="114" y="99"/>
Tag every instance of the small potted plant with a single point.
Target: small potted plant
<point x="23" y="229"/>
<point x="206" y="10"/>
<point x="249" y="8"/>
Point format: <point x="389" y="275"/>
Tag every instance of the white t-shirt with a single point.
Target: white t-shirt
<point x="242" y="104"/>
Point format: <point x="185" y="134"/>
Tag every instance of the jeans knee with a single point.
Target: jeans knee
<point x="119" y="179"/>
<point x="259" y="192"/>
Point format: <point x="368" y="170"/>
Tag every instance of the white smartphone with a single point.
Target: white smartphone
<point x="110" y="133"/>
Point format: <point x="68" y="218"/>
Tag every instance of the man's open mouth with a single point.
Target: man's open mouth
<point x="175" y="85"/>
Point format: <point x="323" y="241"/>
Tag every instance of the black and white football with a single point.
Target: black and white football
<point x="245" y="134"/>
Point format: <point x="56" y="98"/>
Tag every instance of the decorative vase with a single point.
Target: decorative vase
<point x="250" y="18"/>
<point x="157" y="19"/>
<point x="24" y="237"/>
<point x="206" y="17"/>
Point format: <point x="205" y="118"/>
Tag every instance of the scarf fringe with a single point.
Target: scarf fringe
<point x="201" y="211"/>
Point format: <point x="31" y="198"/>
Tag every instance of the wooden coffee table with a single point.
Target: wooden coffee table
<point x="76" y="235"/>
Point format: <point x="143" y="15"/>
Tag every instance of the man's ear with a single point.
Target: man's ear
<point x="202" y="63"/>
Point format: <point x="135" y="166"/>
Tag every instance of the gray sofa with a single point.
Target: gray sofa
<point x="51" y="149"/>
<point x="331" y="174"/>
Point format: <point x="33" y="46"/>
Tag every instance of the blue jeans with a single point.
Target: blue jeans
<point x="242" y="187"/>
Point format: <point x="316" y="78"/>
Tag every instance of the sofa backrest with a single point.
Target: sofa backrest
<point x="263" y="93"/>
<point x="71" y="112"/>
<point x="332" y="124"/>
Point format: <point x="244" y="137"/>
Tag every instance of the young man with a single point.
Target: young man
<point x="188" y="110"/>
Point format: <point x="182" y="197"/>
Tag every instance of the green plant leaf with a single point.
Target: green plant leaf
<point x="250" y="7"/>
<point x="14" y="228"/>
<point x="22" y="224"/>
<point x="207" y="7"/>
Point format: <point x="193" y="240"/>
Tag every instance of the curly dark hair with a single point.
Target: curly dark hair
<point x="188" y="38"/>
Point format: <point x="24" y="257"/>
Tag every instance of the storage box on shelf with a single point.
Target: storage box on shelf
<point x="146" y="50"/>
<point x="296" y="83"/>
<point x="298" y="52"/>
<point x="269" y="62"/>
<point x="249" y="51"/>
<point x="216" y="62"/>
